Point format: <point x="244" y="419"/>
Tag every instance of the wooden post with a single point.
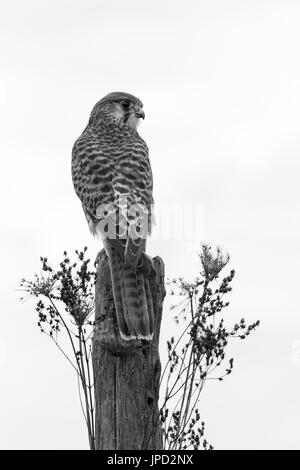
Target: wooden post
<point x="127" y="373"/>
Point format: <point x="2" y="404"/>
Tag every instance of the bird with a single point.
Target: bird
<point x="112" y="177"/>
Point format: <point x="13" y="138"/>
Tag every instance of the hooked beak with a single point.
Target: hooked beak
<point x="140" y="114"/>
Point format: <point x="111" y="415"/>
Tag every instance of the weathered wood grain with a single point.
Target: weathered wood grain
<point x="126" y="373"/>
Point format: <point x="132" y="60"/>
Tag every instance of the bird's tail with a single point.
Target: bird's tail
<point x="132" y="297"/>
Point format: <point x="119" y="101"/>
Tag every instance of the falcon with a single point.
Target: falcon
<point x="112" y="177"/>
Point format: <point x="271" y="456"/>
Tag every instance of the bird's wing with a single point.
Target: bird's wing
<point x="92" y="179"/>
<point x="116" y="192"/>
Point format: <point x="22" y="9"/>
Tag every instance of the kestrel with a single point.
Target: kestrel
<point x="113" y="179"/>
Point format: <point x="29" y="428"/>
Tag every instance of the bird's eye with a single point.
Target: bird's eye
<point x="125" y="104"/>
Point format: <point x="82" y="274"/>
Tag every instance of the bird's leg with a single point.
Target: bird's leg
<point x="146" y="265"/>
<point x="118" y="245"/>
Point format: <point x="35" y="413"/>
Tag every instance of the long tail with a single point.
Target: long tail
<point x="132" y="297"/>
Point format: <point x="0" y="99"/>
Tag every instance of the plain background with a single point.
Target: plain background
<point x="220" y="82"/>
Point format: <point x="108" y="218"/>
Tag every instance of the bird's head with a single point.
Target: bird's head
<point x="118" y="108"/>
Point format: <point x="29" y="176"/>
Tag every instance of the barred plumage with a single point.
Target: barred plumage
<point x="112" y="177"/>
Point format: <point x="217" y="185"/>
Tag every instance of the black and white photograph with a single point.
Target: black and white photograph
<point x="150" y="225"/>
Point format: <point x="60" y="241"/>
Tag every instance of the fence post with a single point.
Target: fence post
<point x="127" y="373"/>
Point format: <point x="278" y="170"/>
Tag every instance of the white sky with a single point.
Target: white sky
<point x="220" y="82"/>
